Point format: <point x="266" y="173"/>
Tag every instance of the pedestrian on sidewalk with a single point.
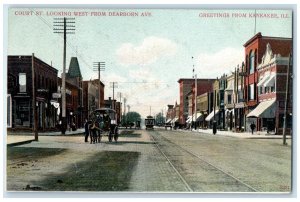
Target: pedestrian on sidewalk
<point x="86" y="129"/>
<point x="252" y="126"/>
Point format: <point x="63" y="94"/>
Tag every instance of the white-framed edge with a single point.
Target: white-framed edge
<point x="148" y="196"/>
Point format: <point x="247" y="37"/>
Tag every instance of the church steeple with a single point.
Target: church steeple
<point x="74" y="69"/>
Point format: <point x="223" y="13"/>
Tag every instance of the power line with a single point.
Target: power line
<point x="73" y="48"/>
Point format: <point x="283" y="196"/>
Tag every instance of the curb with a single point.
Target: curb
<point x="19" y="143"/>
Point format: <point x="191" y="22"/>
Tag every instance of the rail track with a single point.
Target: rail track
<point x="161" y="141"/>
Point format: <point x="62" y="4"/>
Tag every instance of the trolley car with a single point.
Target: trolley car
<point x="149" y="122"/>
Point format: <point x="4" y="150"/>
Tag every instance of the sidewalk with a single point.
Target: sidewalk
<point x="18" y="138"/>
<point x="246" y="135"/>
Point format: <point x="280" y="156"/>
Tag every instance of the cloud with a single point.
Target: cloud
<point x="150" y="50"/>
<point x="216" y="64"/>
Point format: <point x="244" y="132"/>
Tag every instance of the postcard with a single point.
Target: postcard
<point x="148" y="100"/>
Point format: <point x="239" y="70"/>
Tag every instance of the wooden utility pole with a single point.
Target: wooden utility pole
<point x="99" y="66"/>
<point x="67" y="29"/>
<point x="287" y="89"/>
<point x="35" y="128"/>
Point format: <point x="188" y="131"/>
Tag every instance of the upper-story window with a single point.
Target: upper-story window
<point x="22" y="82"/>
<point x="251" y="62"/>
<point x="251" y="92"/>
<point x="229" y="99"/>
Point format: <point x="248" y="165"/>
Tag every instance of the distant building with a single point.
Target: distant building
<point x="117" y="106"/>
<point x="74" y="78"/>
<point x="203" y="86"/>
<point x="205" y="103"/>
<point x="185" y="87"/>
<point x="91" y="96"/>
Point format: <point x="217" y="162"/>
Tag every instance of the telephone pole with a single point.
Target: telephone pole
<point x="288" y="77"/>
<point x="99" y="66"/>
<point x="64" y="26"/>
<point x="35" y="130"/>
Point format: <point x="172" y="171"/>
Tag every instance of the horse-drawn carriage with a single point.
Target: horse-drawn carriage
<point x="103" y="121"/>
<point x="149" y="122"/>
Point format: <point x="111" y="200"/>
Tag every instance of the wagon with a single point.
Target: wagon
<point x="149" y="122"/>
<point x="105" y="118"/>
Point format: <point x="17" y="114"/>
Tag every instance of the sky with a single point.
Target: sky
<point x="145" y="54"/>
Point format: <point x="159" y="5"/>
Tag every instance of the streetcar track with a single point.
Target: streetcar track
<point x="207" y="162"/>
<point x="187" y="186"/>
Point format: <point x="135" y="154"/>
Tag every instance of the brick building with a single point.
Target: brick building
<point x="272" y="77"/>
<point x="203" y="86"/>
<point x="185" y="87"/>
<point x="20" y="93"/>
<point x="91" y="96"/>
<point x="72" y="102"/>
<point x="254" y="51"/>
<point x="74" y="78"/>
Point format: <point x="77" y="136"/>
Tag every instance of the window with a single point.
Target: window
<point x="251" y="92"/>
<point x="229" y="99"/>
<point x="251" y="62"/>
<point x="260" y="90"/>
<point x="272" y="89"/>
<point x="22" y="82"/>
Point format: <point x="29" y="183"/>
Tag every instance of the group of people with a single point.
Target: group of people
<point x="93" y="128"/>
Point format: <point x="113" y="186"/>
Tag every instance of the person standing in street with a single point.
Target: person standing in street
<point x="252" y="126"/>
<point x="86" y="130"/>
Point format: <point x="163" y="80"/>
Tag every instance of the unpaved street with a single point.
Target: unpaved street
<point x="151" y="161"/>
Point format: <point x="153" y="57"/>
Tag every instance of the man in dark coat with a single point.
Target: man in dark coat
<point x="86" y="130"/>
<point x="252" y="126"/>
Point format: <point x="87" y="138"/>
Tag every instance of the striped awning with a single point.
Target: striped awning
<point x="265" y="109"/>
<point x="270" y="81"/>
<point x="174" y="120"/>
<point x="169" y="120"/>
<point x="263" y="80"/>
<point x="211" y="115"/>
<point x="189" y="119"/>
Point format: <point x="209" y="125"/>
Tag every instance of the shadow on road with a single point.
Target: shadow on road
<point x="23" y="153"/>
<point x="129" y="133"/>
<point x="104" y="171"/>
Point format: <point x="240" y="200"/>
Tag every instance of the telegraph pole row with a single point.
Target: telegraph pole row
<point x="99" y="66"/>
<point x="64" y="26"/>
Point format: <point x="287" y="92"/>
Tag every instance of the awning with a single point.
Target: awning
<point x="265" y="109"/>
<point x="195" y="117"/>
<point x="211" y="115"/>
<point x="262" y="81"/>
<point x="189" y="119"/>
<point x="174" y="120"/>
<point x="169" y="120"/>
<point x="199" y="116"/>
<point x="270" y="81"/>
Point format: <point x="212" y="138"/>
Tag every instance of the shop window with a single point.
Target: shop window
<point x="22" y="82"/>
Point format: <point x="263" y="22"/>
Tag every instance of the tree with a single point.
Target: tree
<point x="159" y="118"/>
<point x="131" y="117"/>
